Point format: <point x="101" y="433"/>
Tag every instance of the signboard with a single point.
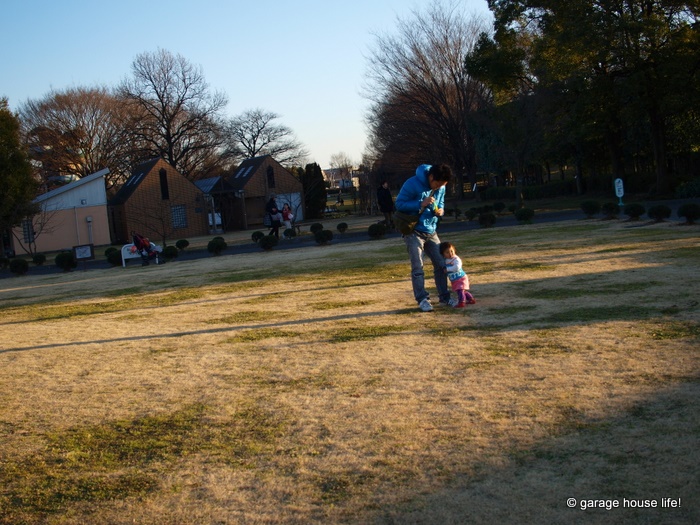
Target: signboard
<point x="619" y="188"/>
<point x="84" y="252"/>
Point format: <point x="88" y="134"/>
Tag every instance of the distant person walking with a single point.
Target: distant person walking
<point x="386" y="203"/>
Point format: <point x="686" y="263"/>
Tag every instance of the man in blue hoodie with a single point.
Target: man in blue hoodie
<point x="424" y="194"/>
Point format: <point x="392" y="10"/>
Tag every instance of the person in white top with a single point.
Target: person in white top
<point x="456" y="274"/>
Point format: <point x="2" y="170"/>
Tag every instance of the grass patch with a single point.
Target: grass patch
<point x="347" y="332"/>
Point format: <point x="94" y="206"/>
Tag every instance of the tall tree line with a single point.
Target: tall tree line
<point x="611" y="88"/>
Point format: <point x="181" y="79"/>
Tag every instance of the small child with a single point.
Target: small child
<point x="457" y="276"/>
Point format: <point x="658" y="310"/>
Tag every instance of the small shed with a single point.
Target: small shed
<point x="225" y="206"/>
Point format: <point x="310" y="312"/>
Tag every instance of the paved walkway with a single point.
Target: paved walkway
<point x="241" y="241"/>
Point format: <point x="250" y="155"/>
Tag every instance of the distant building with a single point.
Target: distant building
<point x="157" y="201"/>
<point x="71" y="215"/>
<point x="255" y="181"/>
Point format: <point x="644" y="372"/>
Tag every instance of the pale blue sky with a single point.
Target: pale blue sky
<point x="303" y="60"/>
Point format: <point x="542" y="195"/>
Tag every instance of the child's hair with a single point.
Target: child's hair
<point x="444" y="246"/>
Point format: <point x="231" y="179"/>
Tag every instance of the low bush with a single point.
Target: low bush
<point x="216" y="245"/>
<point x="316" y="227"/>
<point x="376" y="230"/>
<point x="268" y="242"/>
<point x="323" y="237"/>
<point x="634" y="210"/>
<point x="39" y="259"/>
<point x="590" y="208"/>
<point x="610" y="210"/>
<point x="65" y="261"/>
<point x="170" y="252"/>
<point x="289" y="233"/>
<point x="4" y="262"/>
<point x="487" y="218"/>
<point x="691" y="212"/>
<point x="19" y="266"/>
<point x="342" y="227"/>
<point x="471" y="214"/>
<point x="524" y="215"/>
<point x="257" y="236"/>
<point x="659" y="212"/>
<point x="182" y="244"/>
<point x="498" y="207"/>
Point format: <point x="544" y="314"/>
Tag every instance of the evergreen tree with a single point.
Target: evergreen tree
<point x="315" y="195"/>
<point x="18" y="186"/>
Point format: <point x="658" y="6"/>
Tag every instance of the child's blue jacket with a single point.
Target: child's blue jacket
<point x="411" y="194"/>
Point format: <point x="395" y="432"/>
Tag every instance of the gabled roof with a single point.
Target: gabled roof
<point x="245" y="171"/>
<point x="71" y="186"/>
<point x="213" y="185"/>
<point x="137" y="175"/>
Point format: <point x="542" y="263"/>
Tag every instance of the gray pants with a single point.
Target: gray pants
<point x="417" y="243"/>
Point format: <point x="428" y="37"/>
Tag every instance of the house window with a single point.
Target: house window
<point x="28" y="230"/>
<point x="270" y="177"/>
<point x="164" y="191"/>
<point x="179" y="216"/>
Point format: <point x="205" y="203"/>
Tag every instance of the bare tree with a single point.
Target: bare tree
<point x="172" y="113"/>
<point x="421" y="94"/>
<point x="76" y="132"/>
<point x="41" y="222"/>
<point x="253" y="133"/>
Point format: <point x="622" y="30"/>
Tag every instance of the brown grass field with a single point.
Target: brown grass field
<point x="304" y="386"/>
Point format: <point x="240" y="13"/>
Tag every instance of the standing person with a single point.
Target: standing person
<point x="386" y="203"/>
<point x="456" y="274"/>
<point x="276" y="220"/>
<point x="424" y="193"/>
<point x="287" y="216"/>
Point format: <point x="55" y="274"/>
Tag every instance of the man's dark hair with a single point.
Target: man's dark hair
<point x="442" y="173"/>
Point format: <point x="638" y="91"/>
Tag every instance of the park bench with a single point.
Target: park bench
<point x="129" y="253"/>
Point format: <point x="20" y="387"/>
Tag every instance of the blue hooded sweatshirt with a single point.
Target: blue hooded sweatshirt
<point x="412" y="193"/>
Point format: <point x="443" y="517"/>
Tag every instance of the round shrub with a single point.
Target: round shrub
<point x="376" y="230"/>
<point x="590" y="208"/>
<point x="268" y="242"/>
<point x="19" y="266"/>
<point x="342" y="227"/>
<point x="610" y="210"/>
<point x="170" y="252"/>
<point x="65" y="261"/>
<point x="181" y="245"/>
<point x="289" y="233"/>
<point x="691" y="212"/>
<point x="634" y="210"/>
<point x="4" y="262"/>
<point x="487" y="219"/>
<point x="499" y="207"/>
<point x="316" y="227"/>
<point x="114" y="256"/>
<point x="323" y="236"/>
<point x="39" y="259"/>
<point x="659" y="212"/>
<point x="471" y="214"/>
<point x="257" y="236"/>
<point x="216" y="245"/>
<point x="524" y="215"/>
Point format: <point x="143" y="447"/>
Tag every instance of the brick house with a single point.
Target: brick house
<point x="254" y="181"/>
<point x="158" y="202"/>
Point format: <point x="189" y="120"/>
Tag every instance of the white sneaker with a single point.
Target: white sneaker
<point x="452" y="302"/>
<point x="425" y="306"/>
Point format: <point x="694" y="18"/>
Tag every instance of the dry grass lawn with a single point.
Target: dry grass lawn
<point x="305" y="387"/>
